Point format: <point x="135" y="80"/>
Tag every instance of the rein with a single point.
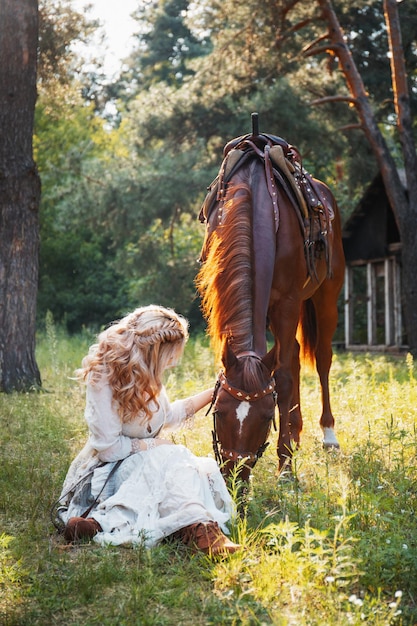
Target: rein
<point x="219" y="452"/>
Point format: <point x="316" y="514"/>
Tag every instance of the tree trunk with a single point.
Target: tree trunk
<point x="19" y="196"/>
<point x="404" y="205"/>
<point x="408" y="221"/>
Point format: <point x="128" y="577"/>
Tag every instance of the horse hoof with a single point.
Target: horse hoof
<point x="286" y="475"/>
<point x="330" y="446"/>
<point x="330" y="441"/>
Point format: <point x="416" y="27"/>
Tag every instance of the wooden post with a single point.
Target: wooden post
<point x="388" y="302"/>
<point x="348" y="306"/>
<point x="398" y="324"/>
<point x="371" y="303"/>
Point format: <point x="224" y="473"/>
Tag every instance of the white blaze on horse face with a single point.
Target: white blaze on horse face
<point x="242" y="412"/>
<point x="329" y="438"/>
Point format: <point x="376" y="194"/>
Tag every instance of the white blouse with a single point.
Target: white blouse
<point x="111" y="438"/>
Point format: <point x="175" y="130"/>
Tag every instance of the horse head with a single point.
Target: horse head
<point x="243" y="410"/>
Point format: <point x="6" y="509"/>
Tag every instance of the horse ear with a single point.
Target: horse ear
<point x="229" y="358"/>
<point x="270" y="360"/>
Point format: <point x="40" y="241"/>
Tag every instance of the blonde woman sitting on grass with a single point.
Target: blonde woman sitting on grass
<point x="130" y="484"/>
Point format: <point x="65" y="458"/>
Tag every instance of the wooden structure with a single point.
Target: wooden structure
<point x="371" y="240"/>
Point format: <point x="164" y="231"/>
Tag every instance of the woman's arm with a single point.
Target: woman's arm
<point x="201" y="399"/>
<point x="105" y="425"/>
<point x="180" y="410"/>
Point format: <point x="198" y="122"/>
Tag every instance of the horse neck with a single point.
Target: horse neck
<point x="263" y="260"/>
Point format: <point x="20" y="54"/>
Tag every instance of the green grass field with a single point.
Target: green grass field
<point x="337" y="545"/>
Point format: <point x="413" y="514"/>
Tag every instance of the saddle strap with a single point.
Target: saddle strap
<point x="93" y="504"/>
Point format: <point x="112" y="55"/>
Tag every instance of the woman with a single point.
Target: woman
<point x="130" y="484"/>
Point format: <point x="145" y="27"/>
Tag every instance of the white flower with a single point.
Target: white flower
<point x="399" y="594"/>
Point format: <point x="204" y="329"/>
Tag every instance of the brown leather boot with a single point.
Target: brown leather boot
<point x="207" y="537"/>
<point x="81" y="528"/>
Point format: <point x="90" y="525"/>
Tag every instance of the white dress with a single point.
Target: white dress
<point x="150" y="494"/>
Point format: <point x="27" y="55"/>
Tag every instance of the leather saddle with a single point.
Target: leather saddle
<point x="283" y="162"/>
<point x="286" y="167"/>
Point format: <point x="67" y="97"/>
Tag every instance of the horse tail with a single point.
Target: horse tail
<point x="307" y="332"/>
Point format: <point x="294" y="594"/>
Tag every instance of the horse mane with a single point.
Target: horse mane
<point x="225" y="278"/>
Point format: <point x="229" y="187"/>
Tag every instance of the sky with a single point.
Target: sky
<point x="118" y="25"/>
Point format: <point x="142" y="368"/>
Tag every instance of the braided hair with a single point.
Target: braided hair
<point x="132" y="355"/>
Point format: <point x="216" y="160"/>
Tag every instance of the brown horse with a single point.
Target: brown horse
<point x="272" y="259"/>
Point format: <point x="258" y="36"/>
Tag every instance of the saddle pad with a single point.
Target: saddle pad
<point x="287" y="168"/>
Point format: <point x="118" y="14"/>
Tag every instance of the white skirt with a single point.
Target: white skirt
<point x="152" y="494"/>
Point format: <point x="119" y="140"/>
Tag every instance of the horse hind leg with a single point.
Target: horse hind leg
<point x="322" y="315"/>
<point x="324" y="356"/>
<point x="327" y="420"/>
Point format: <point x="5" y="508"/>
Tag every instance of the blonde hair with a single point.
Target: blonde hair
<point x="132" y="354"/>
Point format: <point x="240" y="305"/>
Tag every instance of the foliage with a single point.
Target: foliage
<point x="78" y="280"/>
<point x="174" y="251"/>
<point x="129" y="181"/>
<point x="59" y="27"/>
<point x="167" y="43"/>
<point x="363" y="23"/>
<point x="337" y="540"/>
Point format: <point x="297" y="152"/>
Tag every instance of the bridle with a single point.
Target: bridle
<point x="220" y="453"/>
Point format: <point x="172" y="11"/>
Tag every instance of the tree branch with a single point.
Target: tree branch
<point x="351" y="127"/>
<point x="299" y="25"/>
<point x="334" y="99"/>
<point x="328" y="48"/>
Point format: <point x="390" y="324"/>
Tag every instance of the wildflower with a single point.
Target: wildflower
<point x="399" y="594"/>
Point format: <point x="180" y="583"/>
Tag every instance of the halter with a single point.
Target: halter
<point x="238" y="394"/>
<point x="232" y="455"/>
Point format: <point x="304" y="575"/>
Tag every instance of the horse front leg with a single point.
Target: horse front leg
<point x="284" y="386"/>
<point x="295" y="416"/>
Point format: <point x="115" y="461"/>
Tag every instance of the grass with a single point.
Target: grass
<point x="336" y="545"/>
